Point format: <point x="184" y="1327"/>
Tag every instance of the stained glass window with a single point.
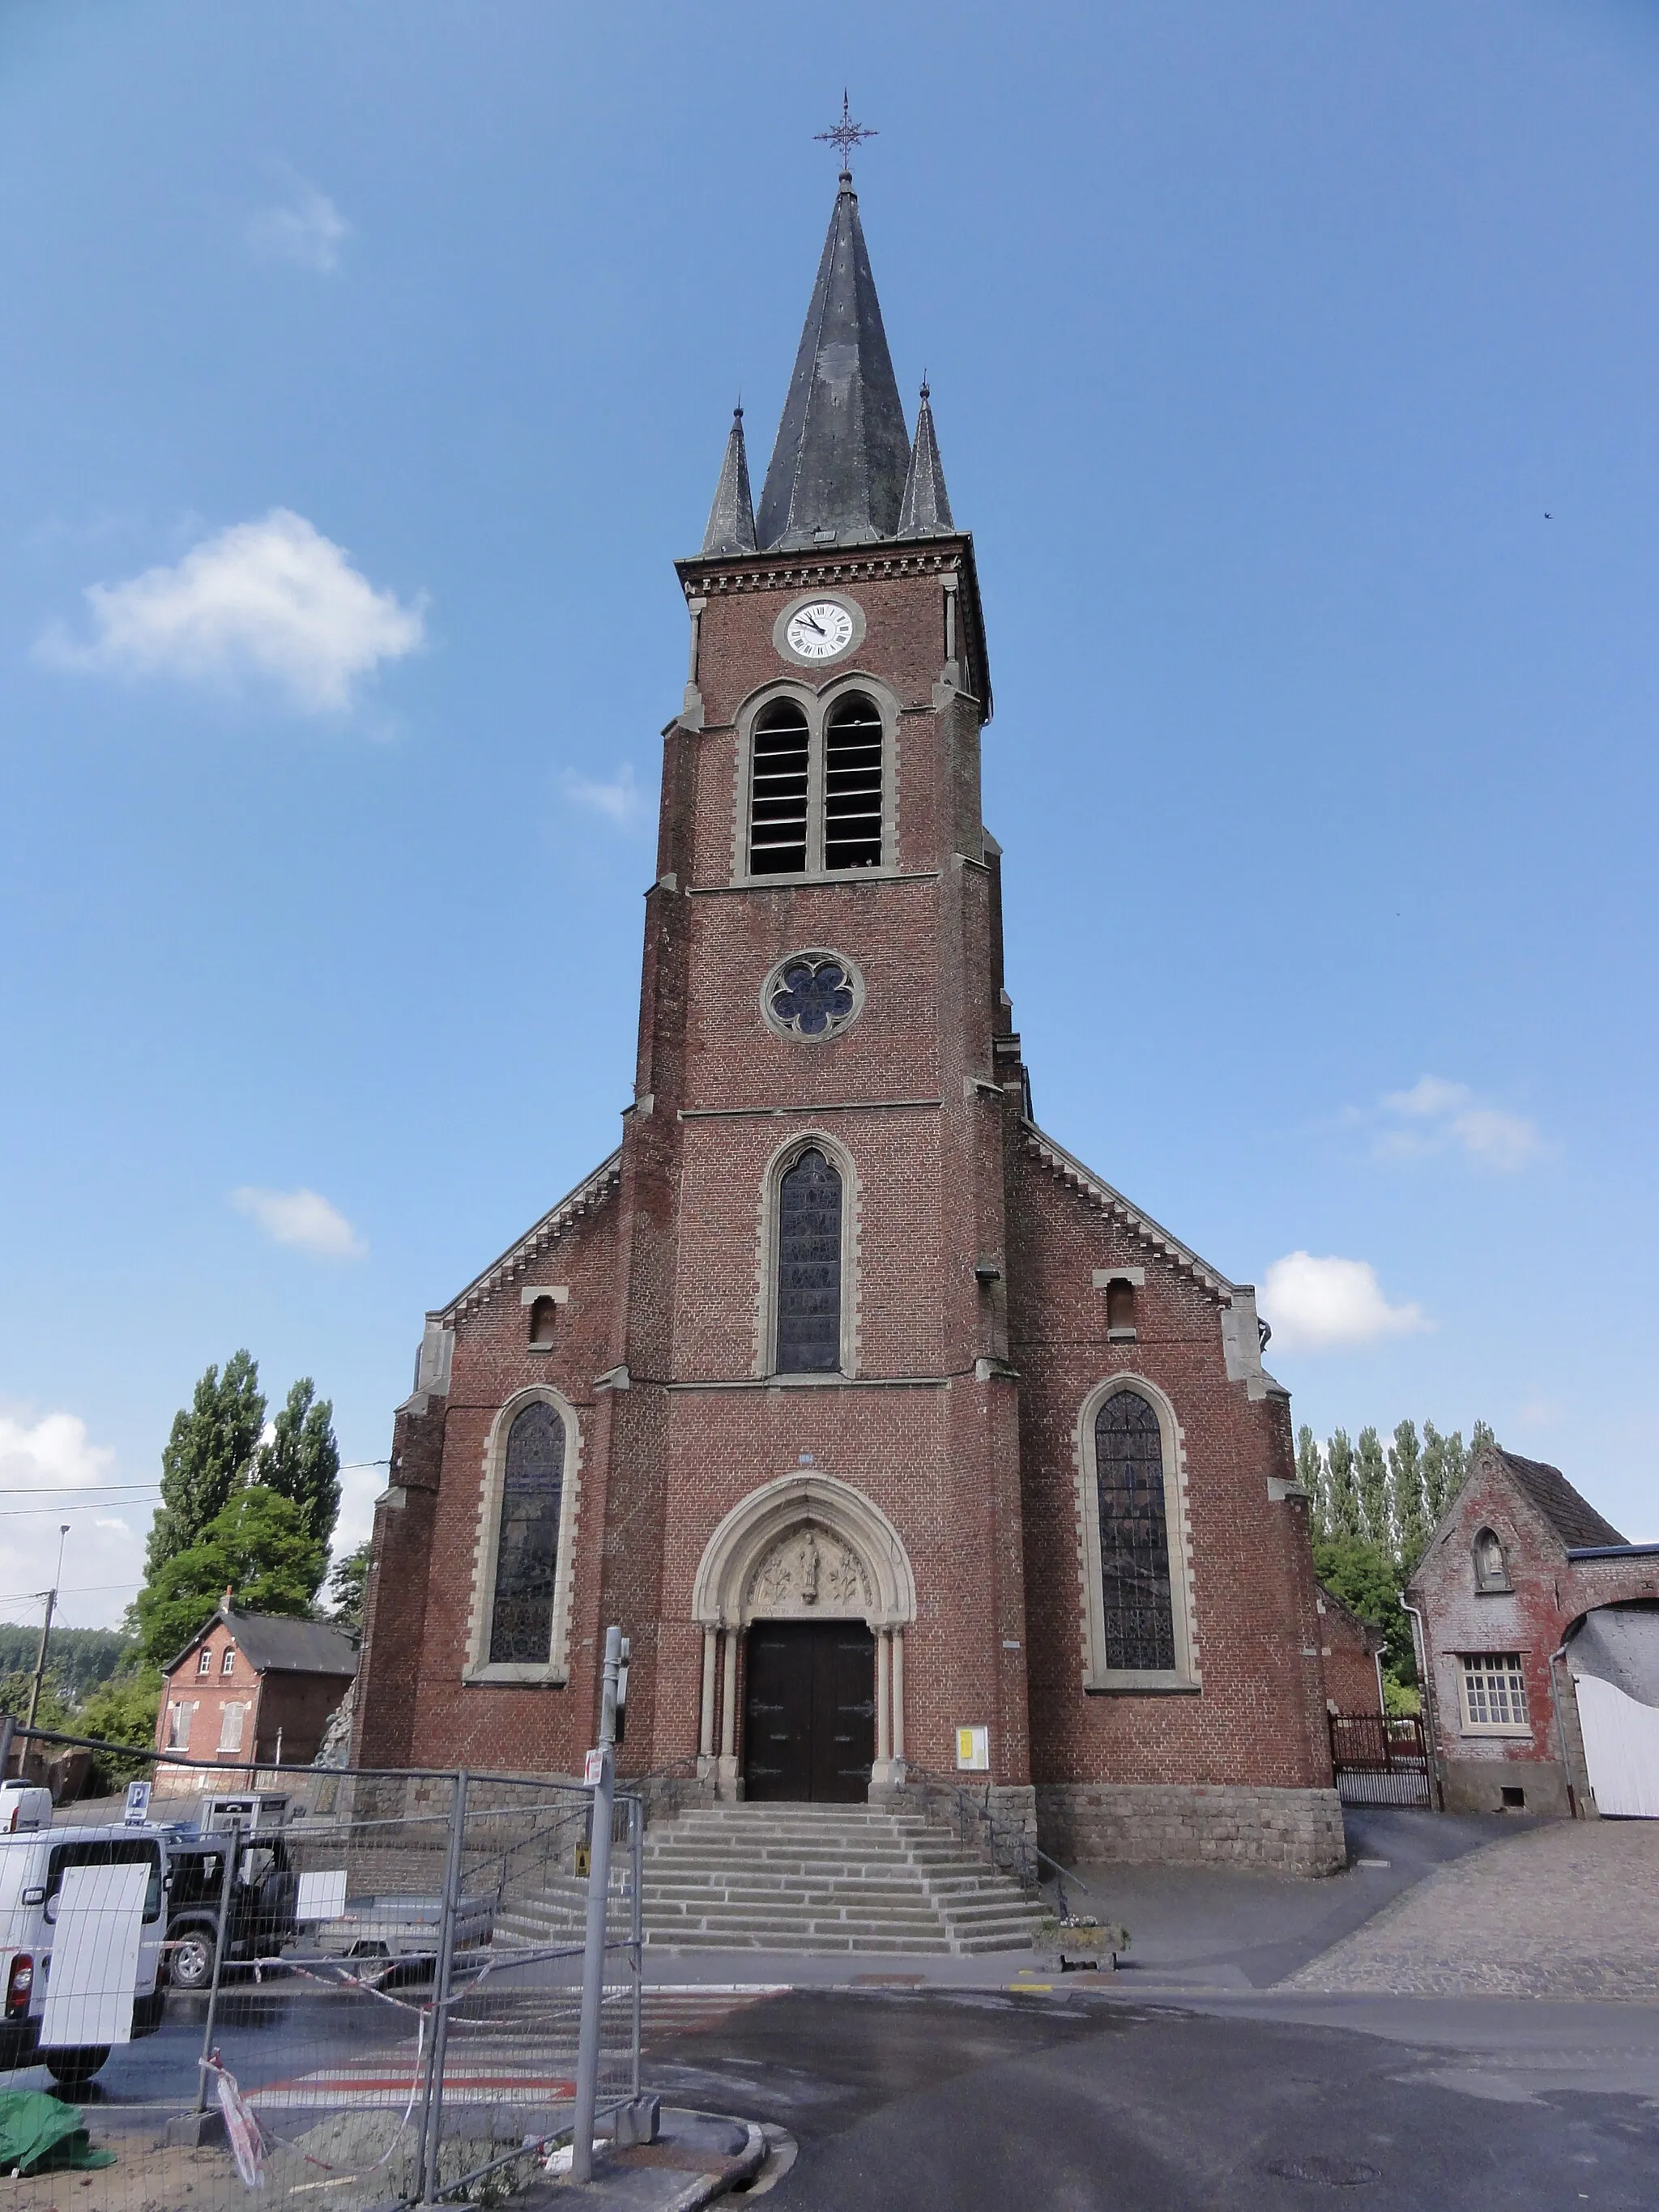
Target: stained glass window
<point x="813" y="996"/>
<point x="809" y="1268"/>
<point x="527" y="1551"/>
<point x="1135" y="1536"/>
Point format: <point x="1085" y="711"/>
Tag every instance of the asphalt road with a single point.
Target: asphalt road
<point x="982" y="2101"/>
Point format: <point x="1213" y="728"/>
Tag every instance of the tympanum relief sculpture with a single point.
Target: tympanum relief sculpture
<point x="806" y="1572"/>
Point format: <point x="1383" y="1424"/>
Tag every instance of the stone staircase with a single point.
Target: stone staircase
<point x="824" y="1878"/>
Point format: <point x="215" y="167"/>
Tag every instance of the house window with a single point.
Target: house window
<point x="179" y="1720"/>
<point x="230" y="1728"/>
<point x="1137" y="1602"/>
<point x="543" y="1312"/>
<point x="1495" y="1693"/>
<point x="818" y="788"/>
<point x="527" y="1546"/>
<point x="204" y="1661"/>
<point x="809" y="1268"/>
<point x="1490" y="1569"/>
<point x="229" y="1666"/>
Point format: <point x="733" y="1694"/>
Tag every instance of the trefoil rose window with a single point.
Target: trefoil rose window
<point x="528" y="1544"/>
<point x="813" y="996"/>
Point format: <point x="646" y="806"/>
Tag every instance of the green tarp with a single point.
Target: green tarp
<point x="37" y="2132"/>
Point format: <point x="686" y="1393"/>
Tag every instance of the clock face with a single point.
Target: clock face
<point x="819" y="630"/>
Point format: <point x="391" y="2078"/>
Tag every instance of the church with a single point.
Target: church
<point x="896" y="1440"/>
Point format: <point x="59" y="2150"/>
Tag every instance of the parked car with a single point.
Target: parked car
<point x="259" y="1912"/>
<point x="402" y="1933"/>
<point x="24" y="1805"/>
<point x="32" y="1864"/>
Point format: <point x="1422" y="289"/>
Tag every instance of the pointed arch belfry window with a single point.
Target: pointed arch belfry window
<point x="1137" y="1602"/>
<point x="819" y="778"/>
<point x="778" y="793"/>
<point x="528" y="1544"/>
<point x="809" y="1264"/>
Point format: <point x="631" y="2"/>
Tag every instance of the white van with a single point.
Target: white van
<point x="34" y="1864"/>
<point x="23" y="1805"/>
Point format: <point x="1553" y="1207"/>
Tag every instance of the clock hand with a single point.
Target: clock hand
<point x="811" y="624"/>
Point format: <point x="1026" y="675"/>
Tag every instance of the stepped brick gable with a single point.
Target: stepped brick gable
<point x="896" y="1440"/>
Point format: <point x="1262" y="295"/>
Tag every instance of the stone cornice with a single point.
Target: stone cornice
<point x="586" y="1195"/>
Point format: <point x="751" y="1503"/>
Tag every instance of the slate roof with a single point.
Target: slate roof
<point x="1573" y="1518"/>
<point x="732" y="518"/>
<point x="838" y="470"/>
<point x="273" y="1644"/>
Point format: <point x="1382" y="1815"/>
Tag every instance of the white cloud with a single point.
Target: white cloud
<point x="304" y="229"/>
<point x="1314" y="1304"/>
<point x="303" y="1219"/>
<point x="38" y="1456"/>
<point x="1435" y="1115"/>
<point x="621" y="801"/>
<point x="272" y="599"/>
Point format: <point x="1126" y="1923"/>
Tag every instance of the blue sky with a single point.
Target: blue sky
<point x="364" y="370"/>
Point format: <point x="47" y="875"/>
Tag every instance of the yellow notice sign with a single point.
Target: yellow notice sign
<point x="974" y="1750"/>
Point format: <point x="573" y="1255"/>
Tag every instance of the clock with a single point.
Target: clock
<point x="820" y="630"/>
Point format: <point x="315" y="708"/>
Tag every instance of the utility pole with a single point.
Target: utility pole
<point x="599" y="1900"/>
<point x="45" y="1631"/>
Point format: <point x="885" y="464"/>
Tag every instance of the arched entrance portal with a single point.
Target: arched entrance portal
<point x="804" y="1590"/>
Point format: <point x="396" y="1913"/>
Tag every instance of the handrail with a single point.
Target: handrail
<point x="1002" y="1838"/>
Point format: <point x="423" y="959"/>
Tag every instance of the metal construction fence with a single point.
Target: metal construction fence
<point x="351" y="1988"/>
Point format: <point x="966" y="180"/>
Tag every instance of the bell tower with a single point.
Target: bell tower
<point x="814" y="1171"/>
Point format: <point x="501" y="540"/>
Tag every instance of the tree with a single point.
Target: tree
<point x="1405" y="1485"/>
<point x="1371" y="1480"/>
<point x="122" y="1710"/>
<point x="1366" y="1578"/>
<point x="1479" y="1435"/>
<point x="1339" y="1485"/>
<point x="1310" y="1474"/>
<point x="302" y="1462"/>
<point x="348" y="1586"/>
<point x="209" y="1447"/>
<point x="1436" y="1471"/>
<point x="259" y="1546"/>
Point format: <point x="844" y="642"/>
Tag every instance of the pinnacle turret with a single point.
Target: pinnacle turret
<point x="731" y="518"/>
<point x="925" y="511"/>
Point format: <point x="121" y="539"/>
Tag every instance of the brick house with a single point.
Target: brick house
<point x="1352" y="1649"/>
<point x="255" y="1688"/>
<point x="869" y="1412"/>
<point x="1524" y="1591"/>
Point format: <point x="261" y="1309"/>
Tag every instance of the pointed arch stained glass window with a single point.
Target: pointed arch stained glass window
<point x="1136" y="1602"/>
<point x="528" y="1549"/>
<point x="809" y="1268"/>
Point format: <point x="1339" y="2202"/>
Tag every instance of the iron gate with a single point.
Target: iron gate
<point x="1381" y="1758"/>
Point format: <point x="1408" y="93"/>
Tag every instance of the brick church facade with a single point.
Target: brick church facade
<point x="893" y="1435"/>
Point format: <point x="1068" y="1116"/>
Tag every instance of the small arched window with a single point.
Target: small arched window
<point x="809" y="1268"/>
<point x="852" y="784"/>
<point x="817" y="788"/>
<point x="778" y="792"/>
<point x="527" y="1547"/>
<point x="1137" y="1605"/>
<point x="1491" y="1568"/>
<point x="543" y="1312"/>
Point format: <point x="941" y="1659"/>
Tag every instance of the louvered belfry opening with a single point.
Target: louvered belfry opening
<point x="852" y="785"/>
<point x="1135" y="1536"/>
<point x="528" y="1549"/>
<point x="777" y="804"/>
<point x="809" y="1268"/>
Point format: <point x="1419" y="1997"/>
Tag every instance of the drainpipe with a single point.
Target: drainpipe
<point x="1426" y="1682"/>
<point x="1561" y="1735"/>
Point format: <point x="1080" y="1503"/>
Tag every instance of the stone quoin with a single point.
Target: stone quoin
<point x="839" y="1362"/>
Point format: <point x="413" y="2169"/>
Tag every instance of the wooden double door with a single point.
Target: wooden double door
<point x="810" y="1711"/>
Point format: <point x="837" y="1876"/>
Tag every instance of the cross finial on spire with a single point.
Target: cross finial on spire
<point x="846" y="134"/>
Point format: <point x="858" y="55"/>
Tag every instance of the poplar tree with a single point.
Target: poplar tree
<point x="1339" y="1485"/>
<point x="302" y="1462"/>
<point x="1371" y="1480"/>
<point x="1480" y="1434"/>
<point x="211" y="1443"/>
<point x="1442" y="1471"/>
<point x="1310" y="1474"/>
<point x="1405" y="1484"/>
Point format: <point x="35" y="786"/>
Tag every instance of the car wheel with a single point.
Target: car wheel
<point x="191" y="1959"/>
<point x="73" y="2069"/>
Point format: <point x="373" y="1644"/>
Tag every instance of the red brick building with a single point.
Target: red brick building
<point x="870" y="1412"/>
<point x="1524" y="1590"/>
<point x="255" y="1688"/>
<point x="1352" y="1649"/>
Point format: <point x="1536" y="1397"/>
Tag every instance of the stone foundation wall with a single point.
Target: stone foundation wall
<point x="1219" y="1823"/>
<point x="1477" y="1786"/>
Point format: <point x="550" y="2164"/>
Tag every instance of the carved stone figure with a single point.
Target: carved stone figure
<point x="808" y="1571"/>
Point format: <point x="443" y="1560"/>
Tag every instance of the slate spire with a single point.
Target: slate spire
<point x="926" y="510"/>
<point x="731" y="518"/>
<point x="838" y="472"/>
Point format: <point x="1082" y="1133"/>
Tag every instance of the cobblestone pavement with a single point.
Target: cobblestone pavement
<point x="1569" y="1910"/>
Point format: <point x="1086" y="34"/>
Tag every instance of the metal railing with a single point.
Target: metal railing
<point x="950" y="1802"/>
